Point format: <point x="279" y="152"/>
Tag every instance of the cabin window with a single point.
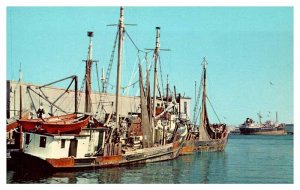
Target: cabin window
<point x="63" y="143"/>
<point x="27" y="139"/>
<point x="185" y="107"/>
<point x="43" y="142"/>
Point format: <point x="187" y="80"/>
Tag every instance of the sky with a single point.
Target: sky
<point x="249" y="51"/>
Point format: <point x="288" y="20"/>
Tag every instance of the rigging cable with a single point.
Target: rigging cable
<point x="111" y="60"/>
<point x="134" y="72"/>
<point x="213" y="109"/>
<point x="135" y="44"/>
<point x="98" y="89"/>
<point x="81" y="92"/>
<point x="161" y="77"/>
<point x="196" y="115"/>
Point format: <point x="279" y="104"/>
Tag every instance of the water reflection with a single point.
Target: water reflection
<point x="22" y="175"/>
<point x="195" y="168"/>
<point x="212" y="165"/>
<point x="204" y="167"/>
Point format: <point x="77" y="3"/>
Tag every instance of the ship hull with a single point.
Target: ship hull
<point x="194" y="145"/>
<point x="260" y="131"/>
<point x="142" y="156"/>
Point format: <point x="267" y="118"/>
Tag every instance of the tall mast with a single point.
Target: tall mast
<point x="21" y="128"/>
<point x="204" y="82"/>
<point x="156" y="54"/>
<point x="203" y="127"/>
<point x="89" y="62"/>
<point x="76" y="94"/>
<point x="120" y="47"/>
<point x="20" y="81"/>
<point x="204" y="112"/>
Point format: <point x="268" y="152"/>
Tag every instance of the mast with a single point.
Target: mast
<point x="204" y="85"/>
<point x="259" y="117"/>
<point x="14" y="101"/>
<point x="196" y="100"/>
<point x="20" y="81"/>
<point x="89" y="62"/>
<point x="76" y="93"/>
<point x="156" y="54"/>
<point x="21" y="128"/>
<point x="203" y="127"/>
<point x="120" y="46"/>
<point x="179" y="104"/>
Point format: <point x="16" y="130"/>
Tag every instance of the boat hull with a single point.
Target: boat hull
<point x="21" y="160"/>
<point x="140" y="156"/>
<point x="195" y="145"/>
<point x="261" y="131"/>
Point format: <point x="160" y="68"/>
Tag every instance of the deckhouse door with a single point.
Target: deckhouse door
<point x="73" y="147"/>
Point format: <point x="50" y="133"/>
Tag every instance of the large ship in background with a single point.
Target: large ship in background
<point x="249" y="127"/>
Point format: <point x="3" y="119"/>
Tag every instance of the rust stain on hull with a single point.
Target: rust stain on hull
<point x="103" y="160"/>
<point x="176" y="144"/>
<point x="61" y="162"/>
<point x="187" y="150"/>
<point x="191" y="146"/>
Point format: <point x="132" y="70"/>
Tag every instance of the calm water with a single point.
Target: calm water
<point x="247" y="159"/>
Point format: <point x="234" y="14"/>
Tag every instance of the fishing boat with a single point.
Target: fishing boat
<point x="206" y="137"/>
<point x="109" y="144"/>
<point x="249" y="127"/>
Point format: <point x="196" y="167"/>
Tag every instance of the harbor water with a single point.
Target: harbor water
<point x="252" y="159"/>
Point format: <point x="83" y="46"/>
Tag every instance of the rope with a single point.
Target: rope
<point x="98" y="77"/>
<point x="135" y="44"/>
<point x="213" y="109"/>
<point x="98" y="87"/>
<point x="133" y="83"/>
<point x="61" y="102"/>
<point x="161" y="78"/>
<point x="134" y="72"/>
<point x="110" y="62"/>
<point x="196" y="115"/>
<point x="80" y="92"/>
